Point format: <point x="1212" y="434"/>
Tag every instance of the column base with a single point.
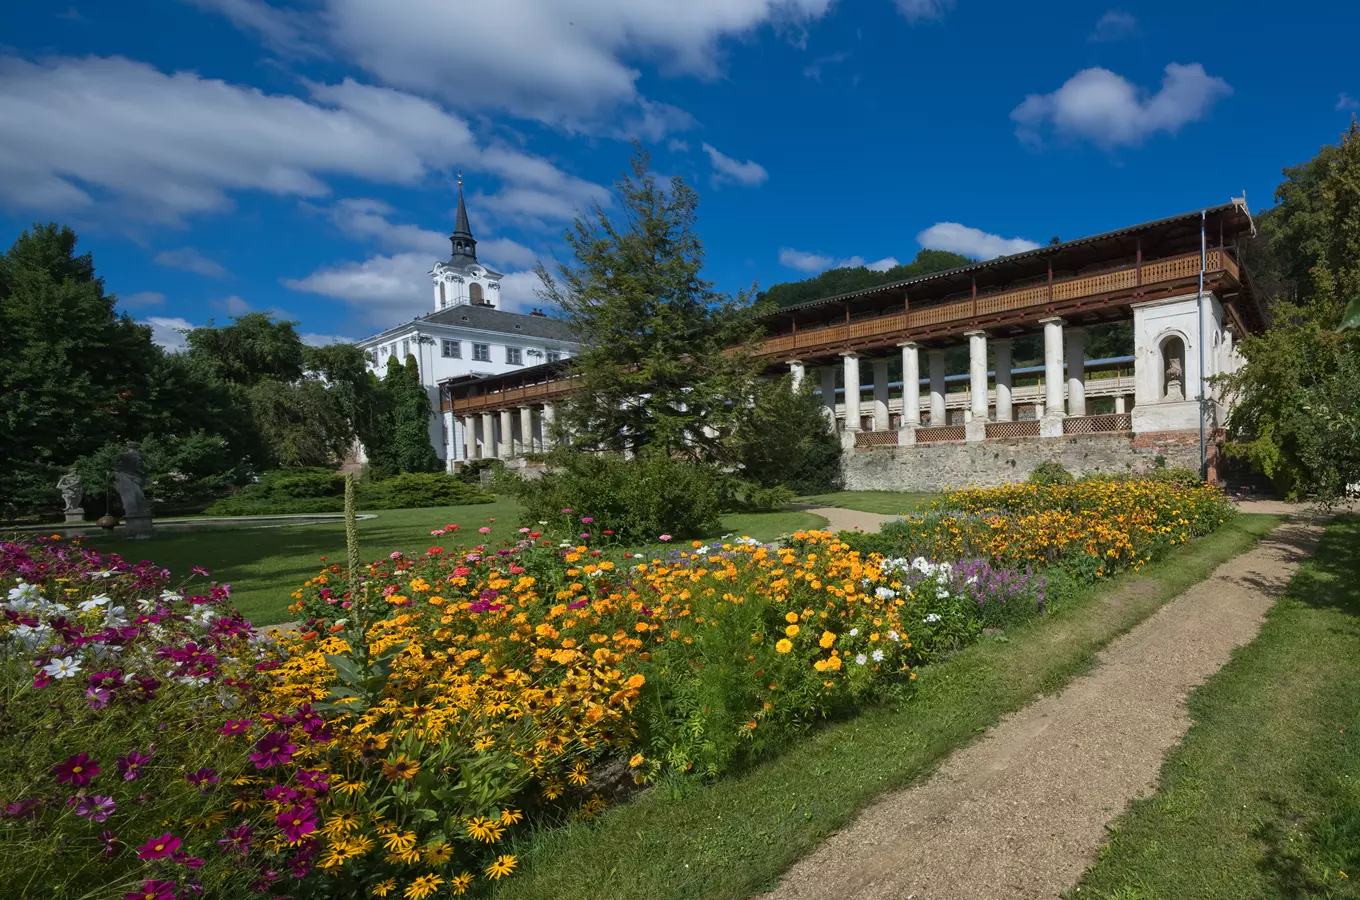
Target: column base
<point x="848" y="440"/>
<point x="137" y="528"/>
<point x="906" y="437"/>
<point x="1051" y="425"/>
<point x="975" y="429"/>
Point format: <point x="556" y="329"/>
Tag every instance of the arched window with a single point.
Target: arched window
<point x="1173" y="368"/>
<point x="475" y="292"/>
<point x="442" y="301"/>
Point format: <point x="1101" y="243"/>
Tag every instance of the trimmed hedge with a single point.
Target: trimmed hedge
<point x="302" y="491"/>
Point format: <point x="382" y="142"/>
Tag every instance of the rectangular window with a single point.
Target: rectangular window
<point x="481" y="352"/>
<point x="554" y="355"/>
<point x="451" y="349"/>
<point x="405" y="348"/>
<point x="513" y="356"/>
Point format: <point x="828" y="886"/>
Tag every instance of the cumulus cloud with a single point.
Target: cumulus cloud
<point x="235" y="305"/>
<point x="1345" y="101"/>
<point x="312" y="339"/>
<point x="1115" y="25"/>
<point x="168" y="146"/>
<point x="190" y="260"/>
<point x="675" y="145"/>
<point x="1108" y="110"/>
<point x="971" y="242"/>
<point x="568" y="63"/>
<point x="813" y="262"/>
<point x="142" y="299"/>
<point x="727" y="170"/>
<point x="169" y="332"/>
<point x="919" y="10"/>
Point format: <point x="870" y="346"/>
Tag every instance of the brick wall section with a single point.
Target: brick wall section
<point x="931" y="467"/>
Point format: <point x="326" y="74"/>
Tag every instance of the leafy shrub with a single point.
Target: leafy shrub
<point x="301" y="491"/>
<point x="181" y="472"/>
<point x="1050" y="472"/>
<point x="640" y="499"/>
<point x="136" y="761"/>
<point x="419" y="489"/>
<point x="785" y="438"/>
<point x="1176" y="475"/>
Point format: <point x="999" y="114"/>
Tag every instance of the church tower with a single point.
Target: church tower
<point x="461" y="279"/>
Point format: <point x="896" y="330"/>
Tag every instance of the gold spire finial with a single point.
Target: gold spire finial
<point x="460" y="180"/>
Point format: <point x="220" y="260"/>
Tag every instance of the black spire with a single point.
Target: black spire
<point x="464" y="244"/>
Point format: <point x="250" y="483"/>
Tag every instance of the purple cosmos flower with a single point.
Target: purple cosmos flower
<point x="235" y="726"/>
<point x="281" y="793"/>
<point x="159" y="847"/>
<point x="184" y="859"/>
<point x="130" y="766"/>
<point x="111" y="843"/>
<point x="97" y="698"/>
<point x="313" y="780"/>
<point x="296" y="822"/>
<point x="96" y="808"/>
<point x="78" y="770"/>
<point x="203" y="779"/>
<point x="237" y="839"/>
<point x="22" y="809"/>
<point x="153" y="889"/>
<point x="274" y="749"/>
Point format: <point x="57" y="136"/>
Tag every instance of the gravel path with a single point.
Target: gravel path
<point x="1021" y="813"/>
<point x="838" y="519"/>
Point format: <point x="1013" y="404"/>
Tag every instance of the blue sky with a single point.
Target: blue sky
<point x="220" y="156"/>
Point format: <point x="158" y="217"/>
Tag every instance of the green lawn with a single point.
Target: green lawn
<point x="265" y="565"/>
<point x="1262" y="799"/>
<point x="889" y="503"/>
<point x="685" y="840"/>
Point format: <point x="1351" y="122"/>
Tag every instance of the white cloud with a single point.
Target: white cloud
<point x="1115" y="25"/>
<point x="236" y="306"/>
<point x="1345" y="101"/>
<point x="918" y="10"/>
<point x="369" y="219"/>
<point x="813" y="262"/>
<point x="322" y="340"/>
<point x="174" y="145"/>
<point x="141" y="299"/>
<point x="169" y="332"/>
<point x="1107" y="109"/>
<point x="504" y="253"/>
<point x="190" y="260"/>
<point x="727" y="170"/>
<point x="814" y="69"/>
<point x="283" y="30"/>
<point x="519" y="292"/>
<point x="569" y="63"/>
<point x="675" y="145"/>
<point x="972" y="242"/>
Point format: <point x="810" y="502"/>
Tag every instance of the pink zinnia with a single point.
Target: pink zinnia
<point x="78" y="770"/>
<point x="484" y="530"/>
<point x="159" y="847"/>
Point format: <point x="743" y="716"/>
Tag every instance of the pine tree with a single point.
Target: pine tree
<point x="657" y="369"/>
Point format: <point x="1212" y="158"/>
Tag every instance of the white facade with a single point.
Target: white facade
<point x="1167" y="335"/>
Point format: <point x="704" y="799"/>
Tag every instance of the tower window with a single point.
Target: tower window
<point x="451" y="349"/>
<point x="514" y="356"/>
<point x="442" y="301"/>
<point x="475" y="292"/>
<point x="481" y="352"/>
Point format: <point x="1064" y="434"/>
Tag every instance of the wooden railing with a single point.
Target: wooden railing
<point x="1123" y="278"/>
<point x="533" y="393"/>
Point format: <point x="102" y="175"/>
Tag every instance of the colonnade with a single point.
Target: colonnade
<point x="1064" y="381"/>
<point x="508" y="433"/>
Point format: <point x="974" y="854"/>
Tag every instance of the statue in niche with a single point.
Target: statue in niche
<point x="1175" y="373"/>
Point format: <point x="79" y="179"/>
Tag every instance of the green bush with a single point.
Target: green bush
<point x="1050" y="472"/>
<point x="419" y="489"/>
<point x="1176" y="475"/>
<point x="638" y="499"/>
<point x="181" y="472"/>
<point x="302" y="491"/>
<point x="785" y="438"/>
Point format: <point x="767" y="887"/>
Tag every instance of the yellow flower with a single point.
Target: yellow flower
<point x="399" y="841"/>
<point x="383" y="888"/>
<point x="459" y="885"/>
<point x="484" y="830"/>
<point x="511" y="816"/>
<point x="791" y="617"/>
<point x="503" y="866"/>
<point x="792" y="631"/>
<point x="438" y="854"/>
<point x="423" y="887"/>
<point x="402" y="768"/>
<point x="827" y="640"/>
<point x="784" y="646"/>
<point x="637" y="760"/>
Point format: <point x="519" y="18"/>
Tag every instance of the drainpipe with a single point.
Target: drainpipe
<point x="1199" y="308"/>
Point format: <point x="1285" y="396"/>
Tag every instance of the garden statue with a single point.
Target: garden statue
<point x="72" y="493"/>
<point x="1174" y="374"/>
<point x="128" y="479"/>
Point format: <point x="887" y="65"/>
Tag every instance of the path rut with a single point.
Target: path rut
<point x="1021" y="813"/>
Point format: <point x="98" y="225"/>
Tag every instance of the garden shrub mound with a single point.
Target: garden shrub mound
<point x="137" y="763"/>
<point x="292" y="491"/>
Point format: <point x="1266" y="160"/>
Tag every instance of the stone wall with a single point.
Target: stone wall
<point x="931" y="467"/>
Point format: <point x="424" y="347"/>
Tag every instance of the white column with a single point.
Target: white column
<point x="1053" y="366"/>
<point x="852" y="415"/>
<point x="1076" y="371"/>
<point x="798" y="371"/>
<point x="911" y="384"/>
<point x="505" y="444"/>
<point x="1119" y="403"/>
<point x="1003" y="380"/>
<point x="526" y="430"/>
<point x="549" y="418"/>
<point x="881" y="395"/>
<point x="937" y="413"/>
<point x="829" y="393"/>
<point x="977" y="373"/>
<point x="488" y="436"/>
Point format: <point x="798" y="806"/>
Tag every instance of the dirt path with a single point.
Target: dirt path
<point x="1021" y="813"/>
<point x="838" y="519"/>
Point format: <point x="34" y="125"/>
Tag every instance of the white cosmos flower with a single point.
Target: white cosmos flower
<point x="894" y="636"/>
<point x="64" y="667"/>
<point x="861" y="659"/>
<point x="30" y="635"/>
<point x="878" y="656"/>
<point x="885" y="593"/>
<point x="933" y="617"/>
<point x="89" y="606"/>
<point x="854" y="632"/>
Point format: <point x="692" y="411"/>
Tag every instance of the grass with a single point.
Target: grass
<point x="733" y="838"/>
<point x="1262" y="798"/>
<point x="888" y="503"/>
<point x="265" y="565"/>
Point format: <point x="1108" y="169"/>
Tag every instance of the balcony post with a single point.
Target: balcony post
<point x="911" y="384"/>
<point x="1004" y="411"/>
<point x="829" y="393"/>
<point x="1076" y="371"/>
<point x="1051" y="424"/>
<point x="881" y="419"/>
<point x="853" y="421"/>
<point x="488" y="436"/>
<point x="526" y="430"/>
<point x="938" y="417"/>
<point x="797" y="370"/>
<point x="505" y="444"/>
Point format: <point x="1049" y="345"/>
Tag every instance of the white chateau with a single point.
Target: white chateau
<point x="467" y="336"/>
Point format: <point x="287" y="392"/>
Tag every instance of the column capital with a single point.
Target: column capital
<point x="910" y="345"/>
<point x="1053" y="320"/>
<point x="793" y="362"/>
<point x="850" y="354"/>
<point x="975" y="332"/>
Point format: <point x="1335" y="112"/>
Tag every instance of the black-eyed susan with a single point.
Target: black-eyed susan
<point x="503" y="866"/>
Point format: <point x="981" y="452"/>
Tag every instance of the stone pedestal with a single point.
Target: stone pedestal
<point x="75" y="516"/>
<point x="137" y="528"/>
<point x="847" y="440"/>
<point x="906" y="437"/>
<point x="975" y="429"/>
<point x="1051" y="425"/>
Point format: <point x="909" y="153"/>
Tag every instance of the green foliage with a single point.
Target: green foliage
<point x="253" y="348"/>
<point x="182" y="472"/>
<point x="638" y="499"/>
<point x="785" y="438"/>
<point x="1050" y="472"/>
<point x="407" y="404"/>
<point x="657" y="371"/>
<point x="1297" y="412"/>
<point x="289" y="491"/>
<point x="834" y="282"/>
<point x="412" y="490"/>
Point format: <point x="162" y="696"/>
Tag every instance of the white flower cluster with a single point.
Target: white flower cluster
<point x="937" y="575"/>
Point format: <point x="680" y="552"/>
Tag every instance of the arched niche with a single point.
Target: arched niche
<point x="1171" y="366"/>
